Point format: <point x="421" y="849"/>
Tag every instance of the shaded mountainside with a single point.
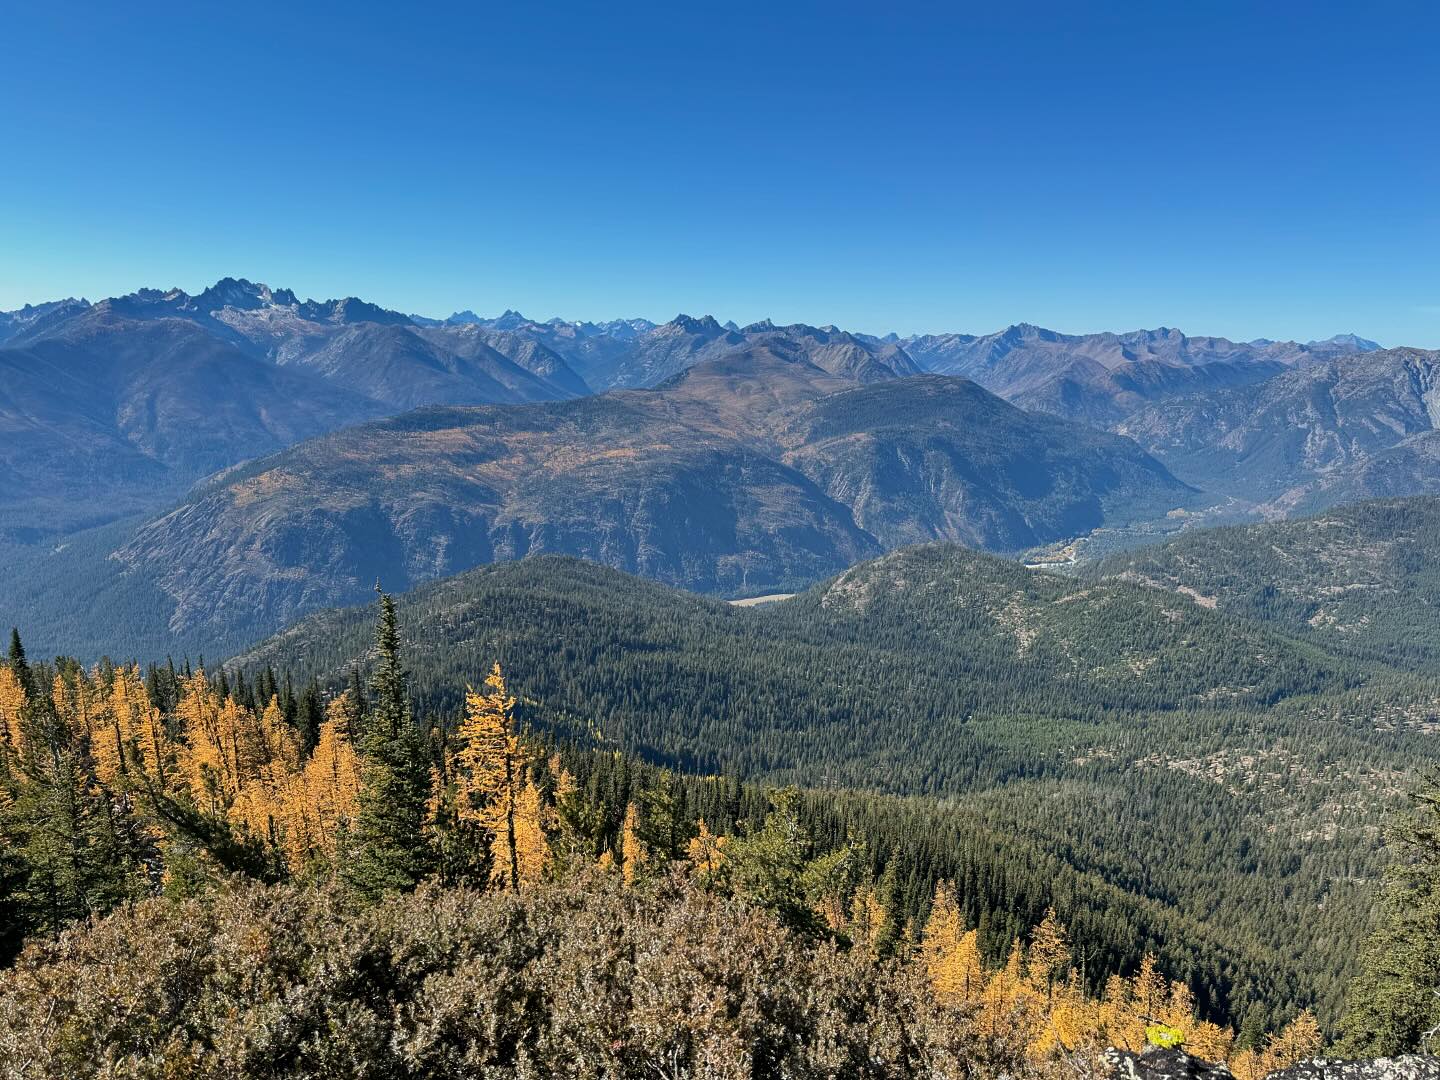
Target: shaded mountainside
<point x="1363" y="580"/>
<point x="1189" y="759"/>
<point x="406" y="368"/>
<point x="107" y="415"/>
<point x="730" y="479"/>
<point x="940" y="458"/>
<point x="1356" y="426"/>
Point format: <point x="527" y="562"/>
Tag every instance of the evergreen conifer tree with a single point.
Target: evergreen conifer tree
<point x="1395" y="1000"/>
<point x="391" y="850"/>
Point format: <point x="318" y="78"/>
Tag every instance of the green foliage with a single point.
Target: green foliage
<point x="1362" y="580"/>
<point x="391" y="849"/>
<point x="1394" y="1003"/>
<point x="773" y="865"/>
<point x="1162" y="1036"/>
<point x="1185" y="758"/>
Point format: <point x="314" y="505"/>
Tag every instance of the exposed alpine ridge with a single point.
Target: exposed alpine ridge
<point x="32" y="316"/>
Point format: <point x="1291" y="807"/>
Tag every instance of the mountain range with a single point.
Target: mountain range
<point x="267" y="454"/>
<point x="755" y="472"/>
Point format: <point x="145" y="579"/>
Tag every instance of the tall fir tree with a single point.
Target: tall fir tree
<point x="391" y="848"/>
<point x="1395" y="1000"/>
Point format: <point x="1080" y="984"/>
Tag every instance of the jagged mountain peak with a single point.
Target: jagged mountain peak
<point x="706" y="324"/>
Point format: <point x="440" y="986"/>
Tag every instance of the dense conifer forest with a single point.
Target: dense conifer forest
<point x="237" y="825"/>
<point x="1193" y="760"/>
<point x="937" y="746"/>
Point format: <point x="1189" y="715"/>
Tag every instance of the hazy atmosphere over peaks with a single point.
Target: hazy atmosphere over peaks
<point x="965" y="167"/>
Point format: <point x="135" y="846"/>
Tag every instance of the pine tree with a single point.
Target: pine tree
<point x="391" y="849"/>
<point x="19" y="665"/>
<point x="1395" y="999"/>
<point x="769" y="864"/>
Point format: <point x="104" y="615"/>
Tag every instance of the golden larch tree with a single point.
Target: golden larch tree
<point x="706" y="852"/>
<point x="1049" y="958"/>
<point x="332" y="778"/>
<point x="633" y="854"/>
<point x="12" y="706"/>
<point x="949" y="952"/>
<point x="532" y="847"/>
<point x="490" y="769"/>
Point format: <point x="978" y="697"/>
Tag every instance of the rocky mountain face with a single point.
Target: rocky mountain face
<point x="1352" y="427"/>
<point x="1101" y="378"/>
<point x="632" y="353"/>
<point x="751" y="473"/>
<point x="33" y="317"/>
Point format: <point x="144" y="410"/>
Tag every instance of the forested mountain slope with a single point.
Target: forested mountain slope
<point x="1180" y="755"/>
<point x="1363" y="580"/>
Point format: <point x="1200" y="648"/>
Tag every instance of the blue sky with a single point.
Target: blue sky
<point x="1258" y="169"/>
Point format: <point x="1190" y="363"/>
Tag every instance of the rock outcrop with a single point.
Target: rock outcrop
<point x="1157" y="1064"/>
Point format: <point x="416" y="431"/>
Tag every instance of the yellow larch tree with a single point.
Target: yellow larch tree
<point x="490" y="770"/>
<point x="1149" y="992"/>
<point x="1296" y="1042"/>
<point x="1209" y="1042"/>
<point x="867" y="918"/>
<point x="950" y="953"/>
<point x="209" y="758"/>
<point x="332" y="779"/>
<point x="12" y="705"/>
<point x="532" y="846"/>
<point x="706" y="852"/>
<point x="1178" y="1010"/>
<point x="634" y="856"/>
<point x="1245" y="1064"/>
<point x="271" y="802"/>
<point x="138" y="727"/>
<point x="1076" y="1020"/>
<point x="1122" y="1025"/>
<point x="1049" y="958"/>
<point x="1010" y="1006"/>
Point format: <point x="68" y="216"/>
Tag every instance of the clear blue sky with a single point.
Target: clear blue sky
<point x="1256" y="169"/>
